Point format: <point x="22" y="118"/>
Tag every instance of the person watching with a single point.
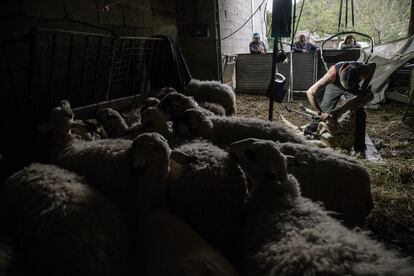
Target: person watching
<point x="349" y="43"/>
<point x="302" y="46"/>
<point x="257" y="46"/>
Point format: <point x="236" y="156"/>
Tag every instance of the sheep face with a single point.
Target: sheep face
<point x="113" y="122"/>
<point x="174" y="104"/>
<point x="153" y="120"/>
<point x="151" y="153"/>
<point x="266" y="167"/>
<point x="192" y="124"/>
<point x="61" y="118"/>
<point x="147" y="103"/>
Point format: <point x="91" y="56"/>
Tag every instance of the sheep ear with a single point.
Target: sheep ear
<point x="181" y="157"/>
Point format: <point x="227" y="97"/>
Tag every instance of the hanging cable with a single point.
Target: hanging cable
<point x="297" y="23"/>
<point x="247" y="21"/>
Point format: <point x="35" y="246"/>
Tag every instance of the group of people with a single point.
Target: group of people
<point x="348" y="78"/>
<point x="301" y="46"/>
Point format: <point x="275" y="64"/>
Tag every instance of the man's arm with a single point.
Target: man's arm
<point x="313" y="91"/>
<point x="354" y="103"/>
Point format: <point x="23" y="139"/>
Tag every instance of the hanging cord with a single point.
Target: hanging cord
<point x="244" y="24"/>
<point x="297" y="23"/>
<point x="352" y="9"/>
<point x="340" y="17"/>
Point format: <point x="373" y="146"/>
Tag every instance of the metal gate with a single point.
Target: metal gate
<point x="84" y="68"/>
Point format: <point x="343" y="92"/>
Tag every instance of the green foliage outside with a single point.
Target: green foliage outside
<point x="384" y="20"/>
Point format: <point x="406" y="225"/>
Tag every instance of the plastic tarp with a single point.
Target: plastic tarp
<point x="388" y="58"/>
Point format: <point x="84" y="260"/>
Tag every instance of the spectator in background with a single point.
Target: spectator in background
<point x="257" y="46"/>
<point x="349" y="42"/>
<point x="302" y="46"/>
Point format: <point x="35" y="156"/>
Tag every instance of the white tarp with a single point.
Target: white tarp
<point x="388" y="58"/>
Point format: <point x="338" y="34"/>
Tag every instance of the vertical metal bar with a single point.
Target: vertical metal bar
<point x="32" y="63"/>
<point x="272" y="79"/>
<point x="119" y="77"/>
<point x="98" y="56"/>
<point x="70" y="56"/>
<point x="152" y="42"/>
<point x="346" y="14"/>
<point x="218" y="41"/>
<point x="340" y="16"/>
<point x="130" y="53"/>
<point x="140" y="64"/>
<point x="52" y="68"/>
<point x="83" y="70"/>
<point x="293" y="22"/>
<point x="353" y="18"/>
<point x="112" y="57"/>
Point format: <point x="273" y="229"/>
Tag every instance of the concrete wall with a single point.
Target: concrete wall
<point x="233" y="13"/>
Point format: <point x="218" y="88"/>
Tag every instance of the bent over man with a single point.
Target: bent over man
<point x="344" y="78"/>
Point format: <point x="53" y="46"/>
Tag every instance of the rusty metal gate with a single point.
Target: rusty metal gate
<point x="85" y="68"/>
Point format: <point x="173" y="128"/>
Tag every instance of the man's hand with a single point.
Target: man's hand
<point x="326" y="116"/>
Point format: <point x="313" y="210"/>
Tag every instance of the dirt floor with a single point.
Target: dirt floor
<point x="392" y="219"/>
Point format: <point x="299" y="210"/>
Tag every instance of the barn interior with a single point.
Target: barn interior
<point x="140" y="137"/>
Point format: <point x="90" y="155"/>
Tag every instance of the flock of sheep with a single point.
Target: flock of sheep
<point x="180" y="185"/>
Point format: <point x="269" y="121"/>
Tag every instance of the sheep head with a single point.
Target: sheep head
<point x="151" y="161"/>
<point x="147" y="103"/>
<point x="113" y="122"/>
<point x="60" y="119"/>
<point x="266" y="167"/>
<point x="193" y="123"/>
<point x="153" y="120"/>
<point x="174" y="104"/>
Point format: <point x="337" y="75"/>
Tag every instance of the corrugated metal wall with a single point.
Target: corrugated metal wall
<point x="253" y="72"/>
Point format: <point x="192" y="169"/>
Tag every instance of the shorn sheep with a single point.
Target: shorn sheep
<point x="208" y="193"/>
<point x="340" y="182"/>
<point x="213" y="92"/>
<point x="225" y="130"/>
<point x="287" y="234"/>
<point x="61" y="225"/>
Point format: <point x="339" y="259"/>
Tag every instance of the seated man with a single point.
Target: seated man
<point x="343" y="78"/>
<point x="257" y="46"/>
<point x="302" y="46"/>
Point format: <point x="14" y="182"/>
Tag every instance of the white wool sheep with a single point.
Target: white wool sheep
<point x="115" y="124"/>
<point x="214" y="92"/>
<point x="173" y="248"/>
<point x="287" y="234"/>
<point x="174" y="104"/>
<point x="340" y="182"/>
<point x="208" y="193"/>
<point x="215" y="108"/>
<point x="61" y="225"/>
<point x="224" y="130"/>
<point x="153" y="120"/>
